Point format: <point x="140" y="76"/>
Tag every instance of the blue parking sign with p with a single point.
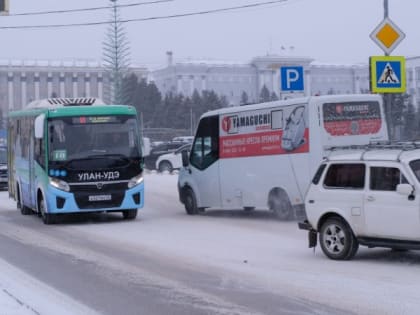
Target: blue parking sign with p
<point x="291" y="78"/>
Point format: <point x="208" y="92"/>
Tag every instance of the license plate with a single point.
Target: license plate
<point x="100" y="198"/>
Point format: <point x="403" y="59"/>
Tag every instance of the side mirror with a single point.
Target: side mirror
<point x="185" y="161"/>
<point x="39" y="126"/>
<point x="405" y="189"/>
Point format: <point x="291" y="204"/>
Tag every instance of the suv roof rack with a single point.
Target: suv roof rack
<point x="399" y="146"/>
<point x="377" y="145"/>
<point x="61" y="102"/>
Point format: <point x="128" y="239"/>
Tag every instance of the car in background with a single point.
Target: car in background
<point x="172" y="161"/>
<point x="4" y="178"/>
<point x="163" y="148"/>
<point x="184" y="139"/>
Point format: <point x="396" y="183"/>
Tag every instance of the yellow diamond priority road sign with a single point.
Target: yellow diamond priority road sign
<point x="387" y="35"/>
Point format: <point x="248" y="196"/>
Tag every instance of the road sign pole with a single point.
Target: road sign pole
<point x="387" y="97"/>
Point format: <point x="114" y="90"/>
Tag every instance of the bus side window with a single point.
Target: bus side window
<point x="205" y="150"/>
<point x="39" y="152"/>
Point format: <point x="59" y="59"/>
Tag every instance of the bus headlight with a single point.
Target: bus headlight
<point x="59" y="184"/>
<point x="137" y="180"/>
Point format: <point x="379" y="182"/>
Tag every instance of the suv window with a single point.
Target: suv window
<point x="345" y="176"/>
<point x="385" y="178"/>
<point x="318" y="174"/>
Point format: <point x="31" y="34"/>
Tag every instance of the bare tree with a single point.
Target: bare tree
<point x="115" y="57"/>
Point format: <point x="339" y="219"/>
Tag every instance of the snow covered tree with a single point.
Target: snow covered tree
<point x="244" y="98"/>
<point x="115" y="57"/>
<point x="264" y="94"/>
<point x="274" y="97"/>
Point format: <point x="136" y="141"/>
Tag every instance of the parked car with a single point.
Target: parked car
<point x="163" y="148"/>
<point x="184" y="139"/>
<point x="4" y="178"/>
<point x="172" y="161"/>
<point x="369" y="197"/>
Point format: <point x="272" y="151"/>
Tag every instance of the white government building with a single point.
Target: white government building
<point x="24" y="81"/>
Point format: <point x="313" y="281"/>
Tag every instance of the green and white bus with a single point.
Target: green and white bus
<point x="75" y="155"/>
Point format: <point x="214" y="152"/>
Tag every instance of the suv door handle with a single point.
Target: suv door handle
<point x="370" y="198"/>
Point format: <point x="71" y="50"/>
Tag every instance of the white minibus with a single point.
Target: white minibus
<point x="263" y="156"/>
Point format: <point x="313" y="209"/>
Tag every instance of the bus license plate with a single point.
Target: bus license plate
<point x="99" y="197"/>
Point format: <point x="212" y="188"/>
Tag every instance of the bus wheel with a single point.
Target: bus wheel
<point x="190" y="202"/>
<point x="279" y="203"/>
<point x="23" y="209"/>
<point x="47" y="218"/>
<point x="129" y="214"/>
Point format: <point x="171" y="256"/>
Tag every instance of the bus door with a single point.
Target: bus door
<point x="204" y="168"/>
<point x="32" y="188"/>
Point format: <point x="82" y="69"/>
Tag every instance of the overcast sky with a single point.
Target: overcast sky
<point x="329" y="31"/>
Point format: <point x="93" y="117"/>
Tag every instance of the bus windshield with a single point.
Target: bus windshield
<point x="90" y="137"/>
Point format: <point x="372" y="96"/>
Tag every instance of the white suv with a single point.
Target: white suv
<point x="171" y="161"/>
<point x="365" y="196"/>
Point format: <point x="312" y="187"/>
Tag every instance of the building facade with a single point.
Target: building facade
<point x="231" y="80"/>
<point x="24" y="81"/>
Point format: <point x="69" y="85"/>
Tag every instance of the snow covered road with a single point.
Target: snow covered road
<point x="220" y="262"/>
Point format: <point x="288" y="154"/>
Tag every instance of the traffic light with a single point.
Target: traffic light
<point x="4" y="7"/>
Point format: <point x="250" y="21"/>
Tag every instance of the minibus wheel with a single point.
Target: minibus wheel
<point x="190" y="202"/>
<point x="279" y="203"/>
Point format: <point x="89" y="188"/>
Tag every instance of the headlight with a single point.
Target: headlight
<point x="59" y="184"/>
<point x="135" y="181"/>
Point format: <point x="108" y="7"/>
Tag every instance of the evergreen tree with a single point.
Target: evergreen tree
<point x="273" y="96"/>
<point x="410" y="130"/>
<point x="224" y="101"/>
<point x="115" y="57"/>
<point x="244" y="98"/>
<point x="129" y="87"/>
<point x="264" y="94"/>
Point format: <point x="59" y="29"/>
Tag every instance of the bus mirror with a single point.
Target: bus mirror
<point x="39" y="126"/>
<point x="184" y="158"/>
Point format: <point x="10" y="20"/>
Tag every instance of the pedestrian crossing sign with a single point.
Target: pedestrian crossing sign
<point x="387" y="74"/>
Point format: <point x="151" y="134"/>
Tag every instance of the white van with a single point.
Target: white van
<point x="263" y="156"/>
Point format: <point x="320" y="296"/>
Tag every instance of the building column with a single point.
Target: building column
<point x="87" y="85"/>
<point x="179" y="84"/>
<point x="37" y="87"/>
<point x="275" y="78"/>
<point x="23" y="88"/>
<point x="62" y="87"/>
<point x="49" y="84"/>
<point x="203" y="83"/>
<point x="75" y="88"/>
<point x="10" y="90"/>
<point x="307" y="84"/>
<point x="191" y="84"/>
<point x="100" y="86"/>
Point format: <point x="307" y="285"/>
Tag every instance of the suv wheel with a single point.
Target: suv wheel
<point x="165" y="166"/>
<point x="337" y="239"/>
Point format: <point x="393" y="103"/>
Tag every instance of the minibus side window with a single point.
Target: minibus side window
<point x="205" y="149"/>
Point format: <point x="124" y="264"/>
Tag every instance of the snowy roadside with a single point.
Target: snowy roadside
<point x="21" y="294"/>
